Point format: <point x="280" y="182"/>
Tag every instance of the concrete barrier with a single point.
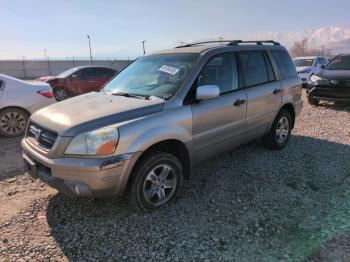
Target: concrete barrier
<point x="29" y="69"/>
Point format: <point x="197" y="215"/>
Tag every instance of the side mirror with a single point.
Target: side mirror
<point x="322" y="66"/>
<point x="207" y="92"/>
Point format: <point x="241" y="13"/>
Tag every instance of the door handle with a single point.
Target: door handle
<point x="239" y="102"/>
<point x="276" y="91"/>
<point x="91" y="81"/>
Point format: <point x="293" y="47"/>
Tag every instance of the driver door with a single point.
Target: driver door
<point x="219" y="124"/>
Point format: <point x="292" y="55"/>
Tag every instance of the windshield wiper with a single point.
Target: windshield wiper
<point x="129" y="95"/>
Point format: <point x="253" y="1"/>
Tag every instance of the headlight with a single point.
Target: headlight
<point x="315" y="78"/>
<point x="98" y="142"/>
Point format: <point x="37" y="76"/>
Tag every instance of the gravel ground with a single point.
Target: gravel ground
<point x="250" y="204"/>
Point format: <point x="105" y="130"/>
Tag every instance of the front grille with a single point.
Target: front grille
<point x="345" y="83"/>
<point x="43" y="137"/>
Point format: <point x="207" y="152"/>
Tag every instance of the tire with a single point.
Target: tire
<point x="61" y="93"/>
<point x="13" y="122"/>
<point x="279" y="134"/>
<point x="146" y="189"/>
<point x="313" y="101"/>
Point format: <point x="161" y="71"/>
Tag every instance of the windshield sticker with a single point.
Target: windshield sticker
<point x="169" y="69"/>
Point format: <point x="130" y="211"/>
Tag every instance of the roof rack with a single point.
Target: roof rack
<point x="232" y="42"/>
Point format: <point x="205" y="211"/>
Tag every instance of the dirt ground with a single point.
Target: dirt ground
<point x="247" y="205"/>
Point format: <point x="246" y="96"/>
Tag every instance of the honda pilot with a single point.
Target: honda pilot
<point x="140" y="136"/>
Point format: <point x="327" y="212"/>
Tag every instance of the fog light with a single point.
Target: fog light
<point x="77" y="190"/>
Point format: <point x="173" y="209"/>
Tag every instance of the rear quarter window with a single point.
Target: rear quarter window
<point x="284" y="63"/>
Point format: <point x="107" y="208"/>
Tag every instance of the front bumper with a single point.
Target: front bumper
<point x="89" y="177"/>
<point x="329" y="93"/>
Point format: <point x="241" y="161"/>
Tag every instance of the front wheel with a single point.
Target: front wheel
<point x="13" y="122"/>
<point x="157" y="179"/>
<point x="60" y="93"/>
<point x="279" y="134"/>
<point x="313" y="101"/>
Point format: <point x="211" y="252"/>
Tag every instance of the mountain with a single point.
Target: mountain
<point x="331" y="36"/>
<point x="340" y="46"/>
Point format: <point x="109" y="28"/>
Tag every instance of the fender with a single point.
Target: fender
<point x="139" y="135"/>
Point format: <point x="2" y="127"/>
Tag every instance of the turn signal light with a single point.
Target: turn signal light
<point x="106" y="148"/>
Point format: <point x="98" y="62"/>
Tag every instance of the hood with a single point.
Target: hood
<point x="93" y="110"/>
<point x="334" y="74"/>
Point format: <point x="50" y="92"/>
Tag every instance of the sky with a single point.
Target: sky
<point x="117" y="27"/>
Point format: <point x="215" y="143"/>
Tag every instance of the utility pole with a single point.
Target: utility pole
<point x="73" y="61"/>
<point x="90" y="48"/>
<point x="48" y="61"/>
<point x="143" y="46"/>
<point x="221" y="38"/>
<point x="322" y="50"/>
<point x="24" y="68"/>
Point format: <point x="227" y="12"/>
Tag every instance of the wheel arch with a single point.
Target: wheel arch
<point x="171" y="146"/>
<point x="290" y="108"/>
<point x="16" y="107"/>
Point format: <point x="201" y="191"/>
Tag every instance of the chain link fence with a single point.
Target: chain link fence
<point x="30" y="69"/>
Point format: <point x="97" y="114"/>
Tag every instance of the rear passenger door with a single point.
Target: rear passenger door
<point x="94" y="79"/>
<point x="100" y="77"/>
<point x="288" y="77"/>
<point x="264" y="93"/>
<point x="219" y="124"/>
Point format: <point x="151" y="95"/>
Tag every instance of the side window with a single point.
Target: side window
<point x="221" y="70"/>
<point x="284" y="63"/>
<point x="270" y="71"/>
<point x="2" y="86"/>
<point x="318" y="62"/>
<point x="80" y="74"/>
<point x="100" y="72"/>
<point x="109" y="72"/>
<point x="254" y="68"/>
<point x="91" y="72"/>
<point x="322" y="61"/>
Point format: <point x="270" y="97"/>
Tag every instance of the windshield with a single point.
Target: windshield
<point x="339" y="63"/>
<point x="67" y="72"/>
<point x="303" y="62"/>
<point x="155" y="75"/>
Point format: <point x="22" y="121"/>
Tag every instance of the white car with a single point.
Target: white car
<point x="19" y="99"/>
<point x="308" y="65"/>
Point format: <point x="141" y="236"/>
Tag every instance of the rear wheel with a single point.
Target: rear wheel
<point x="313" y="101"/>
<point x="13" y="122"/>
<point x="279" y="134"/>
<point x="61" y="93"/>
<point x="157" y="179"/>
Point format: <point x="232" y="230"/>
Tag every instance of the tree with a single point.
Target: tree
<point x="300" y="48"/>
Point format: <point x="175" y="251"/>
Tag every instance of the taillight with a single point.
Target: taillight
<point x="46" y="94"/>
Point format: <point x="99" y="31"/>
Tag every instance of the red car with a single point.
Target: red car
<point x="80" y="80"/>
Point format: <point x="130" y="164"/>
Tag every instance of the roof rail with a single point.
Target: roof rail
<point x="258" y="42"/>
<point x="231" y="42"/>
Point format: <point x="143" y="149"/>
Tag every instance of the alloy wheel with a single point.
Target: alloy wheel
<point x="61" y="94"/>
<point x="282" y="130"/>
<point x="159" y="185"/>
